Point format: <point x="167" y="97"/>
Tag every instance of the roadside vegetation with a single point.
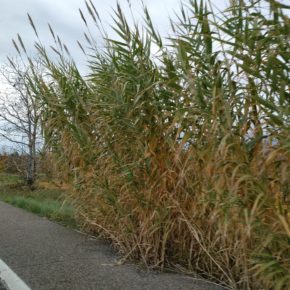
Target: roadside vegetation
<point x="178" y="149"/>
<point x="20" y="118"/>
<point x="47" y="200"/>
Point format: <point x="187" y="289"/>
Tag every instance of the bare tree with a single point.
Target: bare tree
<point x="20" y="115"/>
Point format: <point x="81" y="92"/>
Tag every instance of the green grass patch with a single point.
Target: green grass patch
<point x="50" y="203"/>
<point x="7" y="180"/>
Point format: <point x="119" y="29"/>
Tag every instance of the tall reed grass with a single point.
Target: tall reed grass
<point x="179" y="148"/>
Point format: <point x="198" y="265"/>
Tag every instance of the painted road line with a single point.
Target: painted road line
<point x="10" y="279"/>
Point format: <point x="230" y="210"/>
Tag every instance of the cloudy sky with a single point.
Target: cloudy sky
<point x="64" y="17"/>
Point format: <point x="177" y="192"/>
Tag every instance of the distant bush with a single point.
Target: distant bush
<point x="3" y="162"/>
<point x="12" y="162"/>
<point x="182" y="156"/>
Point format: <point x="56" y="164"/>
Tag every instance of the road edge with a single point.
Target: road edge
<point x="10" y="278"/>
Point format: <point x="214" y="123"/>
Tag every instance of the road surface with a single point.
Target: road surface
<point x="2" y="287"/>
<point x="48" y="256"/>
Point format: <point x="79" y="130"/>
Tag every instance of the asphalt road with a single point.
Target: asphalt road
<point x="2" y="286"/>
<point x="47" y="256"/>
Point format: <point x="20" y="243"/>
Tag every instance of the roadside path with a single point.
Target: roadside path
<point x="47" y="256"/>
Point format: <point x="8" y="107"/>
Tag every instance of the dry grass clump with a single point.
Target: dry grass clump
<point x="182" y="157"/>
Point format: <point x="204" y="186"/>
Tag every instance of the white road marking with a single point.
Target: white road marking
<point x="10" y="279"/>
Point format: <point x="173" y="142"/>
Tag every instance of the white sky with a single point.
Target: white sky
<point x="64" y="17"/>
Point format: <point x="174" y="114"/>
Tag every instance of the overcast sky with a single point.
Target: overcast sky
<point x="64" y="17"/>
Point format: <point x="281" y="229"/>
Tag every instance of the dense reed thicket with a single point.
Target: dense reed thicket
<point x="179" y="148"/>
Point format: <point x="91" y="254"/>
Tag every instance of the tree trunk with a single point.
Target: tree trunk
<point x="31" y="163"/>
